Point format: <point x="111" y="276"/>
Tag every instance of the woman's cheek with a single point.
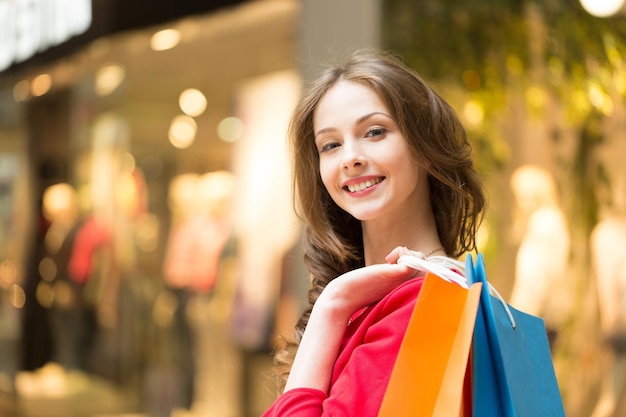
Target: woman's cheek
<point x="328" y="178"/>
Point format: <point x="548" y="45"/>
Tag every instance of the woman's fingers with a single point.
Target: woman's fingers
<point x="399" y="251"/>
<point x="396" y="253"/>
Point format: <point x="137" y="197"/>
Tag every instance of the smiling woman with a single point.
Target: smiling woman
<point x="392" y="170"/>
<point x="365" y="161"/>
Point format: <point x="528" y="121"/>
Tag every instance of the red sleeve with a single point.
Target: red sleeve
<point x="364" y="364"/>
<point x="300" y="402"/>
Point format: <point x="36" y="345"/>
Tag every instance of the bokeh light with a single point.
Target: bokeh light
<point x="41" y="85"/>
<point x="230" y="129"/>
<point x="473" y="113"/>
<point x="108" y="78"/>
<point x="182" y="131"/>
<point x="21" y="91"/>
<point x="17" y="296"/>
<point x="192" y="102"/>
<point x="602" y="8"/>
<point x="165" y="39"/>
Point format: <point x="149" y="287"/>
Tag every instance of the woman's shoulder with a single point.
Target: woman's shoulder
<point x="399" y="301"/>
<point x="405" y="293"/>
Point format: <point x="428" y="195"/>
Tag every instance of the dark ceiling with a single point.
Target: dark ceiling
<point x="112" y="16"/>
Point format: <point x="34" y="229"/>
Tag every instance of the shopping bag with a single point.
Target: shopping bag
<point x="512" y="369"/>
<point x="428" y="375"/>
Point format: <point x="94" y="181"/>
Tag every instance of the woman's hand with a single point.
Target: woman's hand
<point x="361" y="287"/>
<point x="399" y="251"/>
<point x="341" y="298"/>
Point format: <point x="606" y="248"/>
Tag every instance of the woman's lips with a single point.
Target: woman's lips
<point x="362" y="185"/>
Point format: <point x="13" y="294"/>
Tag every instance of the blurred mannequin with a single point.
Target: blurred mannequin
<point x="200" y="230"/>
<point x="608" y="251"/>
<point x="541" y="287"/>
<point x="219" y="363"/>
<point x="71" y="323"/>
<point x="71" y="319"/>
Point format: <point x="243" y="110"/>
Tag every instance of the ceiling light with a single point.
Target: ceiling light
<point x="230" y="129"/>
<point x="21" y="91"/>
<point x="165" y="39"/>
<point x="182" y="131"/>
<point x="192" y="102"/>
<point x="41" y="85"/>
<point x="108" y="78"/>
<point x="602" y="8"/>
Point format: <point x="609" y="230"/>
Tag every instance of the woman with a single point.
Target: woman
<point x="382" y="168"/>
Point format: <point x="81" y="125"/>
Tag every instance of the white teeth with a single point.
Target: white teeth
<point x="362" y="186"/>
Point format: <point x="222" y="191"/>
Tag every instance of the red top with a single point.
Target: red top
<point x="363" y="367"/>
<point x="93" y="235"/>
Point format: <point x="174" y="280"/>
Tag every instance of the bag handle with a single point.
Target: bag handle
<point x="479" y="269"/>
<point x="438" y="265"/>
<point x="453" y="271"/>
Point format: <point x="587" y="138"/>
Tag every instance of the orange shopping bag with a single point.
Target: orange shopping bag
<point x="428" y="376"/>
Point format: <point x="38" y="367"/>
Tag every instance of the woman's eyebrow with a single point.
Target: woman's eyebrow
<point x="324" y="130"/>
<point x="369" y="115"/>
<point x="358" y="121"/>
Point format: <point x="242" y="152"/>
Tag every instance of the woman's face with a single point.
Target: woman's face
<point x="365" y="162"/>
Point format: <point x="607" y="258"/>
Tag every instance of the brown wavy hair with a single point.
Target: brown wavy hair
<point x="332" y="239"/>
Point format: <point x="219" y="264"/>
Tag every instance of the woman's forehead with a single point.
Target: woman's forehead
<point x="347" y="99"/>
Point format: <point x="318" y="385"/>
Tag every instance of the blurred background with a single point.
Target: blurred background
<point x="149" y="252"/>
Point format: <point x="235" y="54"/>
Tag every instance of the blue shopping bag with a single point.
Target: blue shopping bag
<point x="512" y="369"/>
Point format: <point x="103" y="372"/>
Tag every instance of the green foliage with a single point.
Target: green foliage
<point x="540" y="49"/>
<point x="513" y="62"/>
<point x="495" y="38"/>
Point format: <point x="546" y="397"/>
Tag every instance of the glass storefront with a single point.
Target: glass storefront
<point x="145" y="208"/>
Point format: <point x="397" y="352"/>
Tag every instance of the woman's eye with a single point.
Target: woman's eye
<point x="329" y="146"/>
<point x="375" y="132"/>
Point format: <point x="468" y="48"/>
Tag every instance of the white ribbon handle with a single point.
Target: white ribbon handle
<point x="442" y="267"/>
<point x="438" y="265"/>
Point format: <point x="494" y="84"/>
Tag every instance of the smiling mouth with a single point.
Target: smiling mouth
<point x="353" y="188"/>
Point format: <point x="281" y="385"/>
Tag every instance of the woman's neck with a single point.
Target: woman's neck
<point x="380" y="237"/>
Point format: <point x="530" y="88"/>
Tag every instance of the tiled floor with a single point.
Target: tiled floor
<point x="53" y="393"/>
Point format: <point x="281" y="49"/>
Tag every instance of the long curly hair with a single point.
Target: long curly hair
<point x="332" y="239"/>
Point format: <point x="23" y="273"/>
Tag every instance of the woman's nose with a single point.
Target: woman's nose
<point x="352" y="156"/>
